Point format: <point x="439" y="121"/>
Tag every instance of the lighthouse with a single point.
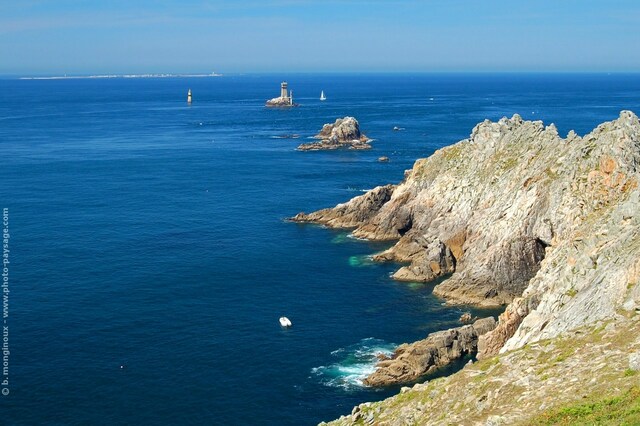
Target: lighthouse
<point x="285" y="99"/>
<point x="189" y="96"/>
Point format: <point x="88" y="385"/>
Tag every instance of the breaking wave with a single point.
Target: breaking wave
<point x="354" y="363"/>
<point x="361" y="261"/>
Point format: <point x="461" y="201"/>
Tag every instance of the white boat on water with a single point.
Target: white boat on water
<point x="285" y="322"/>
<point x="322" y="96"/>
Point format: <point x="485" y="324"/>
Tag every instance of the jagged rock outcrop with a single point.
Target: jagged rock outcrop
<point x="592" y="273"/>
<point x="490" y="208"/>
<point x="466" y="318"/>
<point x="350" y="215"/>
<point x="344" y="133"/>
<point x="549" y="224"/>
<point x="590" y="370"/>
<point x="412" y="361"/>
<point x="508" y="322"/>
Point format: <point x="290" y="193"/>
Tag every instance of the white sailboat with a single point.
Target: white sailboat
<point x="322" y="96"/>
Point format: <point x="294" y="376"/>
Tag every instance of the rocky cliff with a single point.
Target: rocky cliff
<point x="517" y="215"/>
<point x="411" y="361"/>
<point x="344" y="133"/>
<point x="488" y="209"/>
<point x="589" y="376"/>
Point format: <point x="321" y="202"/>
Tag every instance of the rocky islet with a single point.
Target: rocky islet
<point x="343" y="133"/>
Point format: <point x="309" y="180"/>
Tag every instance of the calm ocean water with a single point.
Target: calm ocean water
<point x="149" y="234"/>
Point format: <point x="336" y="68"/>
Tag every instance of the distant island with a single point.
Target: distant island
<point x="69" y="77"/>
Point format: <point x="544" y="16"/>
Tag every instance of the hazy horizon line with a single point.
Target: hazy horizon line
<point x="71" y="75"/>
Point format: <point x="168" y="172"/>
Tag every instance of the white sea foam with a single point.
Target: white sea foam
<point x="354" y="363"/>
<point x="354" y="189"/>
<point x="294" y="136"/>
<point x="341" y="238"/>
<point x="359" y="261"/>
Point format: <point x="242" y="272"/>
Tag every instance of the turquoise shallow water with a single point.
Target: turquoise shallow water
<point x="150" y="235"/>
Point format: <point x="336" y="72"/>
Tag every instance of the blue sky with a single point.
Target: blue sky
<point x="91" y="36"/>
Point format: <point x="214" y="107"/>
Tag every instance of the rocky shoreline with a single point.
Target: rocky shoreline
<point x="410" y="362"/>
<point x="518" y="216"/>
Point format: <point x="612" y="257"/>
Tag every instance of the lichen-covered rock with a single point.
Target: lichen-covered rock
<point x="412" y="361"/>
<point x="580" y="368"/>
<point x="509" y="321"/>
<point x="634" y="361"/>
<point x="488" y="209"/>
<point x="354" y="212"/>
<point x="550" y="225"/>
<point x="344" y="133"/>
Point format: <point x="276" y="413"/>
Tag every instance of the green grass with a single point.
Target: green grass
<point x="619" y="410"/>
<point x="486" y="364"/>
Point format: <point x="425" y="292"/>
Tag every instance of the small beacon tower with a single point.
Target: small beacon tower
<point x="189" y="97"/>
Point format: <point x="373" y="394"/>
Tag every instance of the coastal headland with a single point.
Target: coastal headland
<point x="516" y="215"/>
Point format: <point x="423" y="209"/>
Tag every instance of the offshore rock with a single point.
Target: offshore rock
<point x="412" y="361"/>
<point x="281" y="102"/>
<point x="344" y="133"/>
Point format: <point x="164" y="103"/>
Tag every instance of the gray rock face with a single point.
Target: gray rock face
<point x="509" y="321"/>
<point x="352" y="214"/>
<point x="344" y="133"/>
<point x="634" y="361"/>
<point x="490" y="208"/>
<point x="412" y="361"/>
<point x="593" y="269"/>
<point x="550" y="225"/>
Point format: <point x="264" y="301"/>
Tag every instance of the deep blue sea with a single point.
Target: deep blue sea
<point x="150" y="258"/>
